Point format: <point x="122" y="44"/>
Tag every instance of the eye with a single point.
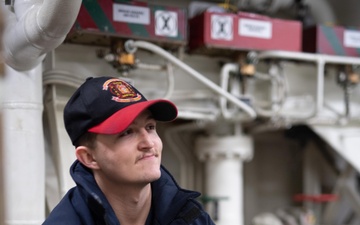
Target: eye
<point x="125" y="133"/>
<point x="151" y="126"/>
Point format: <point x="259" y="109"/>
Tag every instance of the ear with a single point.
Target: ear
<point x="85" y="156"/>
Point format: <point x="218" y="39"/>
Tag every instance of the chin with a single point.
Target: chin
<point x="152" y="175"/>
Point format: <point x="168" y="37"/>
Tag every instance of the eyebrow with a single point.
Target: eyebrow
<point x="149" y="117"/>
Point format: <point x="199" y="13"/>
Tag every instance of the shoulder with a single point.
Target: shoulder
<point x="193" y="214"/>
<point x="67" y="211"/>
<point x="181" y="205"/>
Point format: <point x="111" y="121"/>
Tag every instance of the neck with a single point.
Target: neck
<point x="130" y="203"/>
<point x="132" y="208"/>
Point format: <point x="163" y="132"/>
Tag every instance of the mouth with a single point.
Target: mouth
<point x="147" y="156"/>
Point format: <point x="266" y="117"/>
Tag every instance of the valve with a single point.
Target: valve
<point x="354" y="78"/>
<point x="247" y="69"/>
<point x="347" y="78"/>
<point x="315" y="198"/>
<point x="247" y="63"/>
<point x="120" y="59"/>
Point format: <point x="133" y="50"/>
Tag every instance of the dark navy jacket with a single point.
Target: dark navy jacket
<point x="85" y="204"/>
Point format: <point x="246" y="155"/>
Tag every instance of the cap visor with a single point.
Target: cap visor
<point x="162" y="110"/>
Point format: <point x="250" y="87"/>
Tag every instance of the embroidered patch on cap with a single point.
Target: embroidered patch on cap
<point x="121" y="90"/>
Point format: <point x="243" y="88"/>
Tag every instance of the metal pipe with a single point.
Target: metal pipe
<point x="34" y="28"/>
<point x="131" y="46"/>
<point x="24" y="177"/>
<point x="320" y="60"/>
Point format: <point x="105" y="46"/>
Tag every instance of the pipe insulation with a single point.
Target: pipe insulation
<point x="322" y="11"/>
<point x="33" y="28"/>
<point x="23" y="142"/>
<point x="224" y="157"/>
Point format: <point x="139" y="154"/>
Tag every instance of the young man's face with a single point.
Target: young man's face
<point x="132" y="156"/>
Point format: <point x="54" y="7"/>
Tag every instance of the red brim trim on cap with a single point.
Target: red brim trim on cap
<point x="162" y="110"/>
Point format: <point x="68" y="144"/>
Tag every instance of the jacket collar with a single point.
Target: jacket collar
<point x="167" y="197"/>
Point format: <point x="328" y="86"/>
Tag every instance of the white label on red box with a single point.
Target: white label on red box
<point x="166" y="23"/>
<point x="131" y="14"/>
<point x="255" y="28"/>
<point x="352" y="39"/>
<point x="221" y="27"/>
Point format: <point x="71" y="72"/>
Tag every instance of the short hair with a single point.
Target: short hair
<point x="87" y="139"/>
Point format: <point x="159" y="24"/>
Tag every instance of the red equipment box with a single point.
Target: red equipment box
<point x="332" y="40"/>
<point x="100" y="20"/>
<point x="243" y="31"/>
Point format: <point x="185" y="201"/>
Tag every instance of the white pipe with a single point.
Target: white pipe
<point x="196" y="116"/>
<point x="145" y="66"/>
<point x="183" y="152"/>
<point x="61" y="77"/>
<point x="309" y="57"/>
<point x="228" y="188"/>
<point x="61" y="156"/>
<point x="132" y="45"/>
<point x="170" y="79"/>
<point x="2" y="202"/>
<point x="322" y="11"/>
<point x="24" y="152"/>
<point x="170" y="75"/>
<point x="265" y="5"/>
<point x="224" y="157"/>
<point x="320" y="85"/>
<point x="278" y="91"/>
<point x="277" y="83"/>
<point x="320" y="60"/>
<point x="35" y="28"/>
<point x="224" y="81"/>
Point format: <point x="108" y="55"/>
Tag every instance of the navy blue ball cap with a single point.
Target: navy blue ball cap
<point x="108" y="105"/>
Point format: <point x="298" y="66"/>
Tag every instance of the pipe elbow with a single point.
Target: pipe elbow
<point x="42" y="28"/>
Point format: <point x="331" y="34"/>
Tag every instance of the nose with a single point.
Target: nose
<point x="145" y="140"/>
